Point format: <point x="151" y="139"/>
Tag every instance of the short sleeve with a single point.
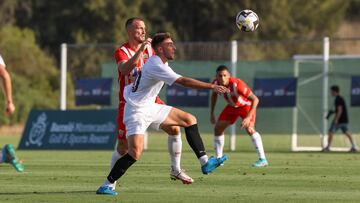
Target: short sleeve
<point x="2" y="61"/>
<point x="243" y="88"/>
<point x="120" y="55"/>
<point x="164" y="73"/>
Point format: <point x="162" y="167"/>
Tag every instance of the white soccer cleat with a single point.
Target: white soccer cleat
<point x="181" y="176"/>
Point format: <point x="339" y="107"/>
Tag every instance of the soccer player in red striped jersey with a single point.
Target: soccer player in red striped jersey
<point x="130" y="57"/>
<point x="241" y="103"/>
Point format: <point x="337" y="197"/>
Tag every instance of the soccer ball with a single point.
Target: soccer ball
<point x="247" y="20"/>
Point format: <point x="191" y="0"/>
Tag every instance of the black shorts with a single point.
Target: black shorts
<point x="334" y="127"/>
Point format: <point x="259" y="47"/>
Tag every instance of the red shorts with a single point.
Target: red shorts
<point x="121" y="129"/>
<point x="231" y="114"/>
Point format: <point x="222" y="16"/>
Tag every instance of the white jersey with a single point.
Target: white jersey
<point x="149" y="82"/>
<point x="2" y="61"/>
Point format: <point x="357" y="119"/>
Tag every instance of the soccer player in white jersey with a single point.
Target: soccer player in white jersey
<point x="141" y="111"/>
<point x="130" y="57"/>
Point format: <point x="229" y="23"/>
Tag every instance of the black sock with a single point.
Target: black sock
<point x="194" y="140"/>
<point x="120" y="167"/>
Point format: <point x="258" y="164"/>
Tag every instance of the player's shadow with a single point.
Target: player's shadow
<point x="44" y="192"/>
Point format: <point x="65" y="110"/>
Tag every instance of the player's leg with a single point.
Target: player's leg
<point x="122" y="146"/>
<point x="255" y="138"/>
<point x="348" y="134"/>
<point x="332" y="130"/>
<point x="175" y="149"/>
<point x="177" y="117"/>
<point x="227" y="117"/>
<point x="219" y="138"/>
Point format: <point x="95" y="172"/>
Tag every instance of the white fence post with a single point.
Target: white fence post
<point x="326" y="56"/>
<point x="63" y="64"/>
<point x="232" y="140"/>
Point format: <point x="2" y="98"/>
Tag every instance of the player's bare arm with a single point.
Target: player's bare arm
<point x="6" y="85"/>
<point x="197" y="84"/>
<point x="338" y="113"/>
<point x="255" y="101"/>
<point x="125" y="67"/>
<point x="213" y="100"/>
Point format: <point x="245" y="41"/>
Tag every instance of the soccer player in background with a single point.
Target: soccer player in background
<point x="7" y="154"/>
<point x="340" y="121"/>
<point x="241" y="103"/>
<point x="130" y="57"/>
<point x="141" y="112"/>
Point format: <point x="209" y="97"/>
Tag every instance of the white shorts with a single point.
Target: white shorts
<point x="138" y="119"/>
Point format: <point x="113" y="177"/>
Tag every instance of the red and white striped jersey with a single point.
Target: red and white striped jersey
<point x="125" y="53"/>
<point x="238" y="93"/>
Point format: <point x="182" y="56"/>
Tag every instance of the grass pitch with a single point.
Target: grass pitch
<point x="74" y="176"/>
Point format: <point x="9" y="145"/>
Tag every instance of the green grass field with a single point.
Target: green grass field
<point x="74" y="176"/>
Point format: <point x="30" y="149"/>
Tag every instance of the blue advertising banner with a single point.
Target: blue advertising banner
<point x="74" y="129"/>
<point x="93" y="91"/>
<point x="177" y="95"/>
<point x="355" y="91"/>
<point x="276" y="92"/>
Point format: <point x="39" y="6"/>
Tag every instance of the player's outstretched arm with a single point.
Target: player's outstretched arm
<point x="197" y="84"/>
<point x="125" y="67"/>
<point x="212" y="107"/>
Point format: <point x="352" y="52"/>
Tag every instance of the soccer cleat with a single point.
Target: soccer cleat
<point x="181" y="176"/>
<point x="106" y="190"/>
<point x="260" y="163"/>
<point x="18" y="166"/>
<point x="353" y="150"/>
<point x="212" y="164"/>
<point x="326" y="149"/>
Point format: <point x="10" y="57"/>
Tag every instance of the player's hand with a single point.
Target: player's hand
<point x="220" y="89"/>
<point x="145" y="43"/>
<point x="246" y="122"/>
<point x="212" y="119"/>
<point x="10" y="108"/>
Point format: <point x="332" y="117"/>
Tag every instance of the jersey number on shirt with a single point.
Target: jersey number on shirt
<point x="136" y="82"/>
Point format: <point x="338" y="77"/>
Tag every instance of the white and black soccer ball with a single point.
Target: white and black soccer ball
<point x="247" y="20"/>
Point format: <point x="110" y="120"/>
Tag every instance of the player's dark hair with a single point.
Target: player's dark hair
<point x="130" y="21"/>
<point x="335" y="88"/>
<point x="222" y="68"/>
<point x="158" y="38"/>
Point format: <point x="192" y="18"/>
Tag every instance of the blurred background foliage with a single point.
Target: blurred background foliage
<point x="31" y="32"/>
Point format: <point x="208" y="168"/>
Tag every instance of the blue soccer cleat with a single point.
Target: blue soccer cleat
<point x="260" y="163"/>
<point x="106" y="190"/>
<point x="212" y="164"/>
<point x="18" y="166"/>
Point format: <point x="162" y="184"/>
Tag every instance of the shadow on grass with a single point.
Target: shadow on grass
<point x="47" y="192"/>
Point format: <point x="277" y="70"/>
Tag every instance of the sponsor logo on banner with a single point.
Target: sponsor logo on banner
<point x="276" y="92"/>
<point x="81" y="129"/>
<point x="355" y="91"/>
<point x="181" y="96"/>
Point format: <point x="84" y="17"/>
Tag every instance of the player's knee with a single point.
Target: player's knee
<point x="174" y="130"/>
<point x="122" y="147"/>
<point x="250" y="130"/>
<point x="218" y="130"/>
<point x="190" y="120"/>
<point x="135" y="152"/>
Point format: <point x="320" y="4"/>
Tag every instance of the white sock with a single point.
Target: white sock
<point x="175" y="148"/>
<point x="219" y="145"/>
<point x="203" y="160"/>
<point x="115" y="156"/>
<point x="256" y="139"/>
